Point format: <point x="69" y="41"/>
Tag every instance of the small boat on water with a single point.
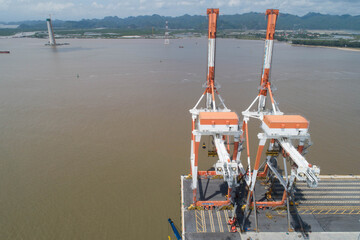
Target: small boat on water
<point x="5" y="52"/>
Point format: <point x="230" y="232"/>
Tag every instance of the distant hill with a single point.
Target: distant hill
<point x="246" y="21"/>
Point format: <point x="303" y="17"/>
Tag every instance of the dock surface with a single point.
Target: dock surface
<point x="330" y="211"/>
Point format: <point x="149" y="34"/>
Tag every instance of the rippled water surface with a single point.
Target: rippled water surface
<point x="95" y="135"/>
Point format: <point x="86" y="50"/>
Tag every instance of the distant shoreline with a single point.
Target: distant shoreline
<point x="339" y="48"/>
<point x="144" y="37"/>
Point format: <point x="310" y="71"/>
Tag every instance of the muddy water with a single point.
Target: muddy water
<point x="95" y="135"/>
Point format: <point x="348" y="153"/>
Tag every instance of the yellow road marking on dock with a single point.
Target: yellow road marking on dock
<point x="329" y="207"/>
<point x="324" y="210"/>
<point x="219" y="221"/>
<point x="332" y="183"/>
<point x="211" y="221"/>
<point x="203" y="220"/>
<point x="331" y="192"/>
<point x="329" y="202"/>
<point x="198" y="221"/>
<point x="329" y="188"/>
<point x="342" y="187"/>
<point x="329" y="196"/>
<point x="226" y="219"/>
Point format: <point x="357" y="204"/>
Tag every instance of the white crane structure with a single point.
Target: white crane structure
<point x="283" y="131"/>
<point x="221" y="124"/>
<point x="284" y="135"/>
<point x="218" y="122"/>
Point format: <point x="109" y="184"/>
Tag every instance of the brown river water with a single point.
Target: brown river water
<point x="95" y="135"/>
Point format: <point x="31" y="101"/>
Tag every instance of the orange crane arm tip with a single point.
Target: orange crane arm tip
<point x="212" y="10"/>
<point x="272" y="11"/>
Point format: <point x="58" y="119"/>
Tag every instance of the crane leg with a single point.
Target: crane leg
<point x="195" y="167"/>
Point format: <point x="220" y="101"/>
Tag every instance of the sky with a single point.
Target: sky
<point x="19" y="10"/>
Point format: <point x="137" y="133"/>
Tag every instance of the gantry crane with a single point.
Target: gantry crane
<point x="218" y="122"/>
<point x="283" y="131"/>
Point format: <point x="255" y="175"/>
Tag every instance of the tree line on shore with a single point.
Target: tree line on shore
<point x="328" y="43"/>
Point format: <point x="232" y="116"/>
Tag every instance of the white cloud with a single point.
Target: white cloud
<point x="185" y="3"/>
<point x="4" y="4"/>
<point x="97" y="5"/>
<point x="159" y="4"/>
<point x="50" y="6"/>
<point x="233" y="3"/>
<point x="217" y="3"/>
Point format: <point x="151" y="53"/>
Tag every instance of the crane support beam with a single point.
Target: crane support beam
<point x="284" y="128"/>
<point x="304" y="171"/>
<point x="212" y="14"/>
<point x="269" y="44"/>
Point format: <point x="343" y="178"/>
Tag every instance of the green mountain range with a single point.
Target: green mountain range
<point x="246" y="21"/>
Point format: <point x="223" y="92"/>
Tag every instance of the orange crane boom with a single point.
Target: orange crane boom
<point x="210" y="90"/>
<point x="269" y="43"/>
